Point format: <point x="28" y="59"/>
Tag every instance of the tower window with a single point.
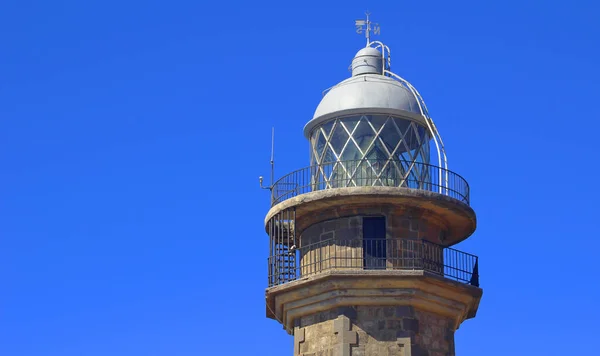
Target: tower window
<point x="374" y="242"/>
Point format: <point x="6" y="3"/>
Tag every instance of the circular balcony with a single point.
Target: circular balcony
<point x="359" y="256"/>
<point x="369" y="172"/>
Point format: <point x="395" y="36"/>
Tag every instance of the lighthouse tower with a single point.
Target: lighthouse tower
<point x="360" y="258"/>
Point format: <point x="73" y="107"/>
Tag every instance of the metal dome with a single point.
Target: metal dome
<point x="366" y="94"/>
<point x="373" y="92"/>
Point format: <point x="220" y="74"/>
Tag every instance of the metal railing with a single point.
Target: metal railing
<point x="387" y="173"/>
<point x="384" y="254"/>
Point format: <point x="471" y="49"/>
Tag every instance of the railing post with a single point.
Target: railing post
<point x="475" y="274"/>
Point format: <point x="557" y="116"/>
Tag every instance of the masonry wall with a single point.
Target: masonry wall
<point x="322" y="250"/>
<point x="325" y="253"/>
<point x="347" y="222"/>
<point x="374" y="331"/>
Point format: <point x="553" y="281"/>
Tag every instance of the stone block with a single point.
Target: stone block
<point x="404" y="311"/>
<point x="355" y="223"/>
<point x="366" y="330"/>
<point x="427" y="330"/>
<point x="349" y="312"/>
<point x="424" y="340"/>
<point x="393" y="324"/>
<point x="404" y="334"/>
<point x="362" y="337"/>
<point x="387" y="336"/>
<point x="418" y="350"/>
<point x="299" y="338"/>
<point x="388" y="312"/>
<point x="410" y="325"/>
<point x="392" y="350"/>
<point x="323" y="316"/>
<point x="414" y="225"/>
<point x="358" y="351"/>
<point x="375" y="349"/>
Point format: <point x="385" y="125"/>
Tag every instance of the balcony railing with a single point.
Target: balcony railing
<point x="290" y="264"/>
<point x="387" y="173"/>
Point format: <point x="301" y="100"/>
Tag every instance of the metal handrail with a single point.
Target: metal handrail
<point x="362" y="254"/>
<point x="369" y="172"/>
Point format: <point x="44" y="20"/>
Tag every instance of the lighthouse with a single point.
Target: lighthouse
<point x="361" y="259"/>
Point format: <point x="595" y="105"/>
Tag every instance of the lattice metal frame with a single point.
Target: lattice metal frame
<point x="370" y="150"/>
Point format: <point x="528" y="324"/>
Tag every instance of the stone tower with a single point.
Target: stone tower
<point x="360" y="259"/>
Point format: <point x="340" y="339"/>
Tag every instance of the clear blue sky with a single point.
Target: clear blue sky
<point x="132" y="135"/>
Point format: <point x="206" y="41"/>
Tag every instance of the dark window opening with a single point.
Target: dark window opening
<point x="374" y="242"/>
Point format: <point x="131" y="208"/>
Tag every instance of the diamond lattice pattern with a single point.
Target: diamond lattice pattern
<point x="370" y="150"/>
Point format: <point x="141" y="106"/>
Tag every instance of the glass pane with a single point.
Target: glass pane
<point x="412" y="138"/>
<point x="364" y="175"/>
<point x="320" y="147"/>
<point x="406" y="151"/>
<point x="328" y="156"/>
<point x="390" y="136"/>
<point x="422" y="133"/>
<point x="351" y="152"/>
<point x="350" y="122"/>
<point x="376" y="121"/>
<point x="339" y="176"/>
<point x="364" y="135"/>
<point x="377" y="153"/>
<point x="338" y="138"/>
<point x="327" y="127"/>
<point x="315" y="150"/>
<point x="402" y="124"/>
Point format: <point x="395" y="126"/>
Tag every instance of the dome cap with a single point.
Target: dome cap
<point x="367" y="61"/>
<point x="363" y="95"/>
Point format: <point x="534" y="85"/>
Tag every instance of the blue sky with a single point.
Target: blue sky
<point x="132" y="135"/>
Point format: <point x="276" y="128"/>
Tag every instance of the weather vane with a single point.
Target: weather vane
<point x="365" y="25"/>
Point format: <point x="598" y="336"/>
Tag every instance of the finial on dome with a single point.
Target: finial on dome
<point x="367" y="28"/>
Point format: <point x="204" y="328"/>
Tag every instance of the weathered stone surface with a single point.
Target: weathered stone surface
<point x="410" y="325"/>
<point x="418" y="350"/>
<point x="454" y="217"/>
<point x="404" y="311"/>
<point x="404" y="333"/>
<point x="349" y="312"/>
<point x="345" y="337"/>
<point x="298" y="339"/>
<point x="373" y="333"/>
<point x="404" y="346"/>
<point x="326" y="292"/>
<point x="358" y="312"/>
<point x="393" y="324"/>
<point x="388" y="312"/>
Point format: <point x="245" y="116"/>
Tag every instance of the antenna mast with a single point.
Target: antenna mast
<point x="368" y="34"/>
<point x="272" y="155"/>
<point x="260" y="179"/>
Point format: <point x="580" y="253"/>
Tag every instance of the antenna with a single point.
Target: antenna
<point x="260" y="179"/>
<point x="272" y="155"/>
